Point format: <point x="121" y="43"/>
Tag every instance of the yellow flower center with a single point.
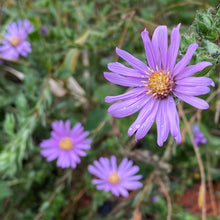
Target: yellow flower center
<point x="114" y="178"/>
<point x="66" y="144"/>
<point x="160" y="84"/>
<point x="15" y="41"/>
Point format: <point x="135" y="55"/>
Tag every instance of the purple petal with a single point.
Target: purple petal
<point x="195" y="81"/>
<point x="133" y="61"/>
<point x="145" y="127"/>
<point x="50" y="143"/>
<point x="79" y="152"/>
<point x="11" y="54"/>
<point x="24" y="48"/>
<point x="98" y="181"/>
<point x="143" y="114"/>
<point x="124" y="70"/>
<point x="48" y="151"/>
<point x="12" y="28"/>
<point x="185" y="60"/>
<point x="79" y="138"/>
<point x="162" y="125"/>
<point x="192" y="91"/>
<point x="123" y="192"/>
<point x="194" y="101"/>
<point x="130" y="172"/>
<point x="149" y="50"/>
<point x="53" y="155"/>
<point x="106" y="164"/>
<point x="132" y="185"/>
<point x="126" y="167"/>
<point x="160" y="43"/>
<point x="128" y="95"/>
<point x="155" y="44"/>
<point x="115" y="191"/>
<point x="96" y="172"/>
<point x="63" y="160"/>
<point x="83" y="146"/>
<point x="114" y="163"/>
<point x="74" y="157"/>
<point x="27" y="26"/>
<point x="122" y="165"/>
<point x="76" y="130"/>
<point x="173" y="117"/>
<point x="128" y="107"/>
<point x="173" y="48"/>
<point x="134" y="178"/>
<point x="122" y="80"/>
<point x="190" y="70"/>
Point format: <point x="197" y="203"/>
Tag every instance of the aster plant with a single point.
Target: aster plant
<point x="66" y="144"/>
<point x="198" y="136"/>
<point x="14" y="42"/>
<point x="119" y="179"/>
<point x="157" y="84"/>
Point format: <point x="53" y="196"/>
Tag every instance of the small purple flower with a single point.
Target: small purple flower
<point x="198" y="136"/>
<point x="155" y="199"/>
<point x="156" y="84"/>
<point x="66" y="144"/>
<point x="44" y="30"/>
<point x="14" y="42"/>
<point x="118" y="180"/>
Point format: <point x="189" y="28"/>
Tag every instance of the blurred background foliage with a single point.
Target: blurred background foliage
<point x="63" y="79"/>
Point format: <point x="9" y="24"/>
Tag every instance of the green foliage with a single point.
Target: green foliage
<point x="63" y="79"/>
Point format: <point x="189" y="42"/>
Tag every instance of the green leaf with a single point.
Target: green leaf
<point x="95" y="117"/>
<point x="9" y="124"/>
<point x="63" y="73"/>
<point x="5" y="191"/>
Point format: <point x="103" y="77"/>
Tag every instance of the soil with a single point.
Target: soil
<point x="189" y="200"/>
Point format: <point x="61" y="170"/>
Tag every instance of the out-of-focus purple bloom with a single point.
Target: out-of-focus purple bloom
<point x="66" y="144"/>
<point x="198" y="136"/>
<point x="14" y="42"/>
<point x="155" y="85"/>
<point x="44" y="30"/>
<point x="118" y="180"/>
<point x="154" y="199"/>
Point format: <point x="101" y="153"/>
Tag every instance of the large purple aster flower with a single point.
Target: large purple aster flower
<point x="156" y="84"/>
<point x="198" y="136"/>
<point x="118" y="180"/>
<point x="14" y="42"/>
<point x="66" y="144"/>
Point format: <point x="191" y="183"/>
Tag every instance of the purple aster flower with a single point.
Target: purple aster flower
<point x="66" y="144"/>
<point x="14" y="42"/>
<point x="198" y="136"/>
<point x="44" y="30"/>
<point x="156" y="84"/>
<point x="116" y="179"/>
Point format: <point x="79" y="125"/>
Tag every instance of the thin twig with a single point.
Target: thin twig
<point x="201" y="167"/>
<point x="121" y="41"/>
<point x="210" y="188"/>
<point x="166" y="194"/>
<point x="146" y="185"/>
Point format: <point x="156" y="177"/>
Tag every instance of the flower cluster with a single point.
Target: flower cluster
<point x="68" y="145"/>
<point x="156" y="85"/>
<point x="14" y="42"/>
